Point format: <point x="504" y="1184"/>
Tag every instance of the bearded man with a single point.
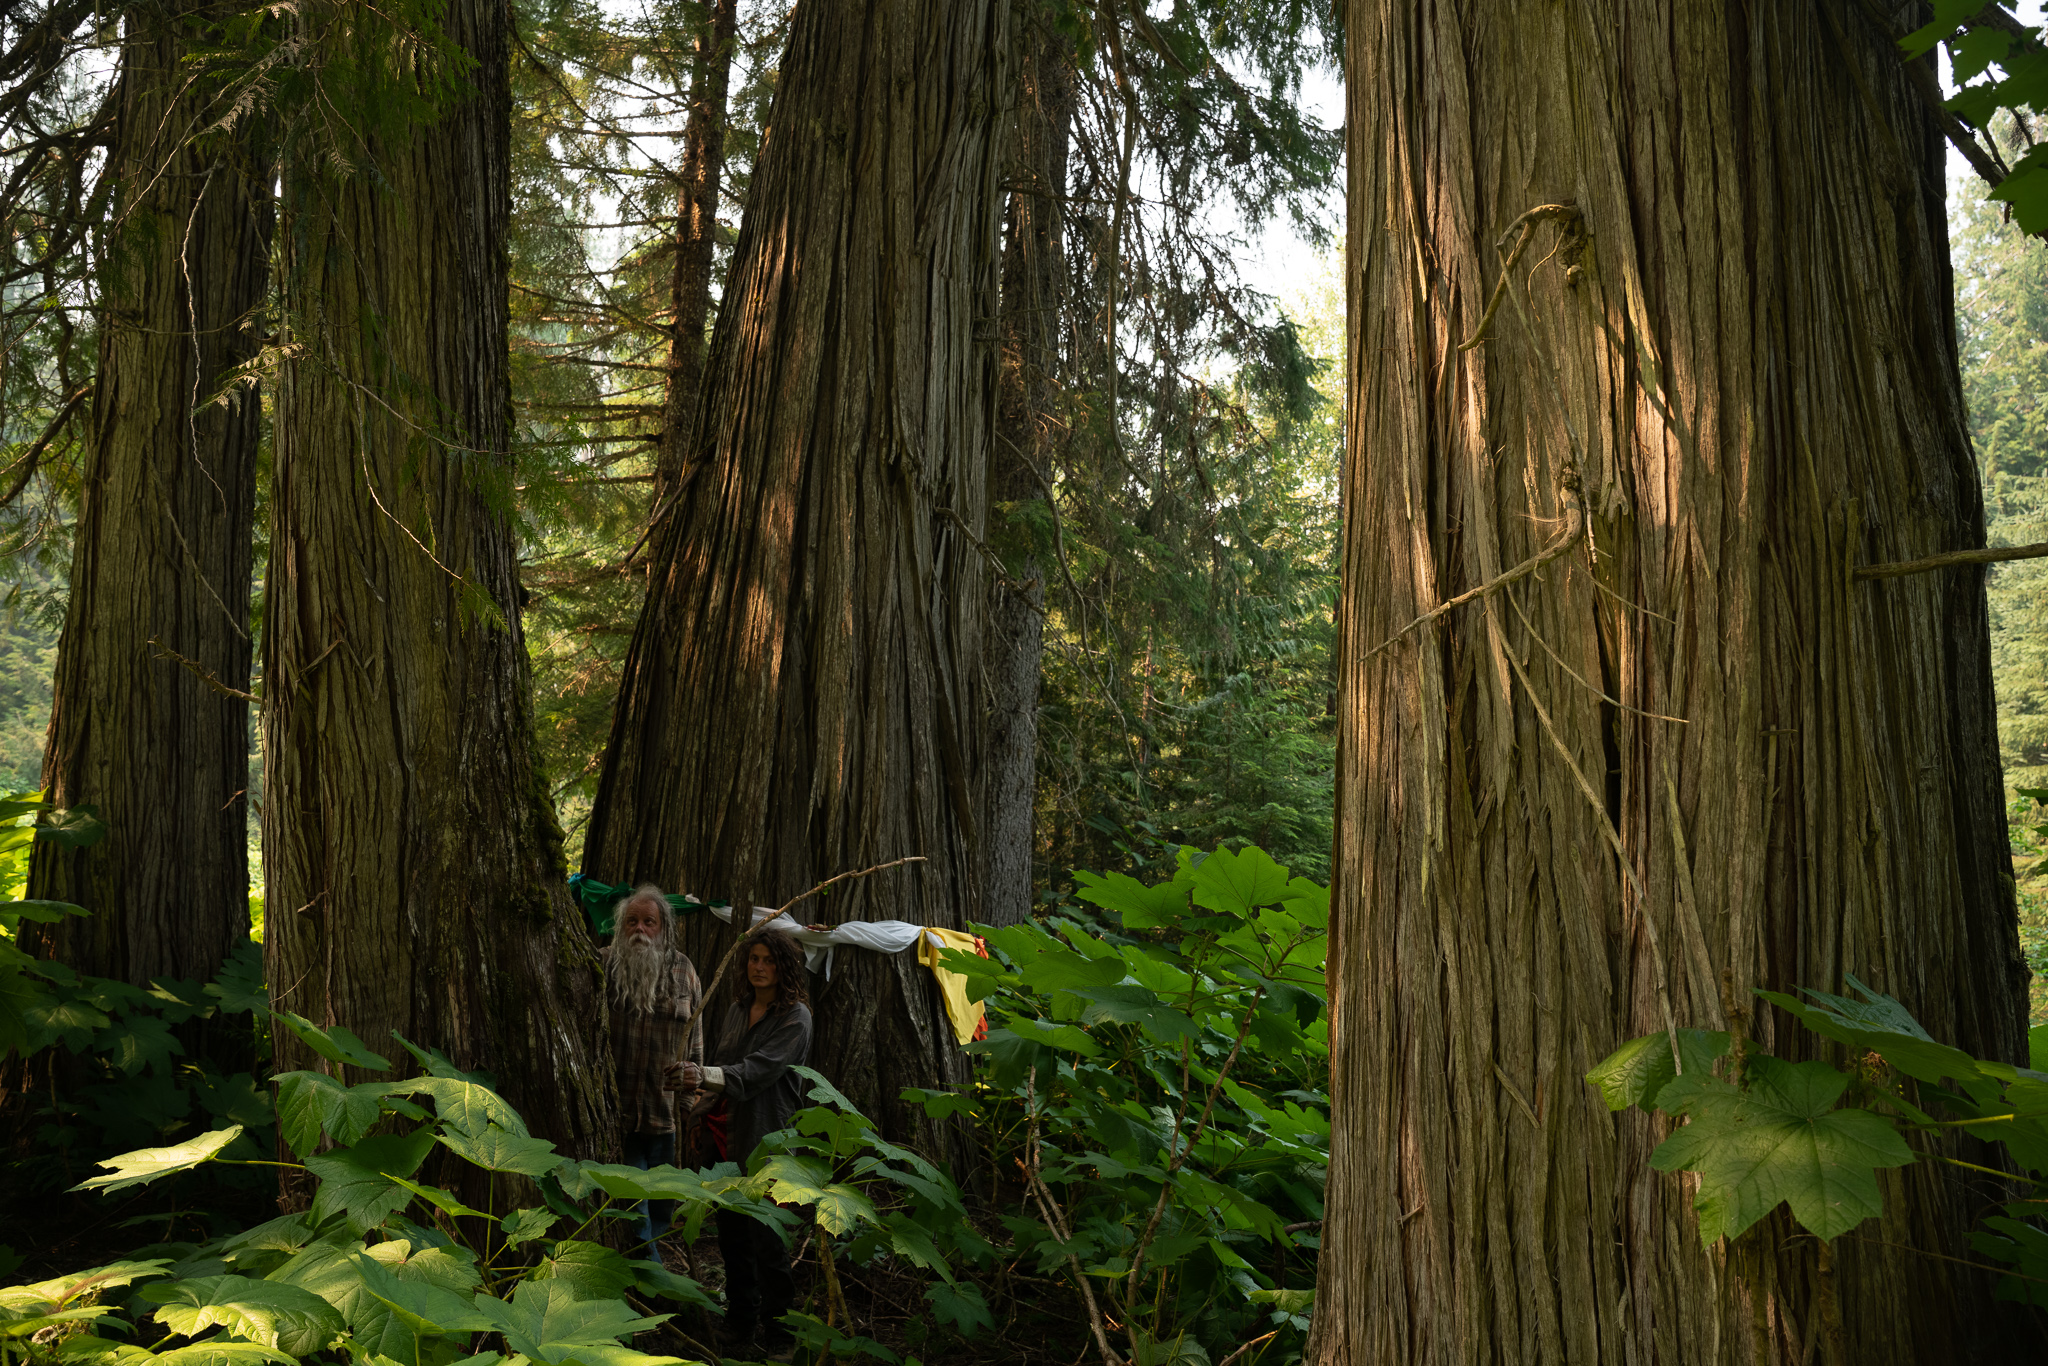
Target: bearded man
<point x="654" y="991"/>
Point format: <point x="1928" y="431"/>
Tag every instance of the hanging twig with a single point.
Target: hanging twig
<point x="205" y="676"/>
<point x="783" y="909"/>
<point x="1579" y="678"/>
<point x="1613" y="838"/>
<point x="1575" y="531"/>
<point x="755" y="916"/>
<point x="1526" y="225"/>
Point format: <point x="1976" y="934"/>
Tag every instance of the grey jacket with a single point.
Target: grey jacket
<point x="761" y="1093"/>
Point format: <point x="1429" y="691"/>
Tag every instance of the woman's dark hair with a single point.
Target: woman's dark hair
<point x="789" y="967"/>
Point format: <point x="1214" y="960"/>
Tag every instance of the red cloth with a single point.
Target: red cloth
<point x="714" y="1129"/>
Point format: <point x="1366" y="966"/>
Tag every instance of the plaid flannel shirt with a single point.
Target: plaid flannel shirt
<point x="645" y="1042"/>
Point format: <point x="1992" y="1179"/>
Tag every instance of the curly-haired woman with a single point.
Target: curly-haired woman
<point x="764" y="1031"/>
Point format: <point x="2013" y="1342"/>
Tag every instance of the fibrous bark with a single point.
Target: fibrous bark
<point x="1742" y="375"/>
<point x="415" y="878"/>
<point x="147" y="719"/>
<point x="796" y="699"/>
<point x="1020" y="458"/>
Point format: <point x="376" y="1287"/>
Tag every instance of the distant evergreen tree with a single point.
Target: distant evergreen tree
<point x="2002" y="322"/>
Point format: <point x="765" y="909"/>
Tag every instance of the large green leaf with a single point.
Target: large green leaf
<point x="1882" y="1026"/>
<point x="1634" y="1073"/>
<point x="335" y="1273"/>
<point x="652" y="1278"/>
<point x="1052" y="1035"/>
<point x="212" y="1352"/>
<point x="1239" y="883"/>
<point x="1142" y="907"/>
<point x="594" y="1272"/>
<point x="421" y="1305"/>
<point x="44" y="912"/>
<point x="2026" y="189"/>
<point x="236" y="1097"/>
<point x="546" y="1322"/>
<point x="80" y="827"/>
<point x="138" y="1041"/>
<point x="147" y="1164"/>
<point x="500" y="1150"/>
<point x="525" y="1225"/>
<point x="43" y="1296"/>
<point x="310" y="1103"/>
<point x="22" y="996"/>
<point x="239" y="984"/>
<point x="1948" y="14"/>
<point x="796" y="1180"/>
<point x="36" y="1323"/>
<point x="445" y="1201"/>
<point x="353" y="1181"/>
<point x="259" y="1250"/>
<point x="1779" y="1140"/>
<point x="61" y="1016"/>
<point x="335" y="1043"/>
<point x="706" y="1189"/>
<point x="287" y="1317"/>
<point x="961" y="1304"/>
<point x="465" y="1106"/>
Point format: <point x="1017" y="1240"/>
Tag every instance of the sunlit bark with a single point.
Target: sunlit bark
<point x="1744" y="381"/>
<point x="797" y="697"/>
<point x="414" y="867"/>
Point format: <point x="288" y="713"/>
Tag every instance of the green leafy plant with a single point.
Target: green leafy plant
<point x="1760" y="1132"/>
<point x="387" y="1268"/>
<point x="1177" y="1193"/>
<point x="873" y="1199"/>
<point x="133" y="1081"/>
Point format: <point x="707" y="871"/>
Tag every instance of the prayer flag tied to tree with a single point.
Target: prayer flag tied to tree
<point x="839" y="455"/>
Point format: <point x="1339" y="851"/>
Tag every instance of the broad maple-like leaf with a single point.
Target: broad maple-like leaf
<point x="147" y="1164"/>
<point x="1780" y="1139"/>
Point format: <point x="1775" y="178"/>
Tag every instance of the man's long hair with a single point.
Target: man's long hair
<point x="789" y="967"/>
<point x="639" y="971"/>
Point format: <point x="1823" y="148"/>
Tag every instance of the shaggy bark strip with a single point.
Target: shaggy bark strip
<point x="798" y="693"/>
<point x="1746" y="375"/>
<point x="160" y="564"/>
<point x="414" y="867"/>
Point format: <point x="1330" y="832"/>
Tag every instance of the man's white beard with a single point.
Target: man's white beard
<point x="638" y="967"/>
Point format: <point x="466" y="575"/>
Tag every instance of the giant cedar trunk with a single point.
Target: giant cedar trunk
<point x="414" y="868"/>
<point x="1748" y="381"/>
<point x="160" y="563"/>
<point x="696" y="241"/>
<point x="795" y="699"/>
<point x="1020" y="458"/>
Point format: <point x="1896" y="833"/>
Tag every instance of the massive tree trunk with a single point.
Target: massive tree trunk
<point x="414" y="867"/>
<point x="148" y="722"/>
<point x="1020" y="458"/>
<point x="1743" y="383"/>
<point x="696" y="241"/>
<point x="797" y="695"/>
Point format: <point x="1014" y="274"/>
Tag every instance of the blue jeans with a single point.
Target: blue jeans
<point x="644" y="1151"/>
